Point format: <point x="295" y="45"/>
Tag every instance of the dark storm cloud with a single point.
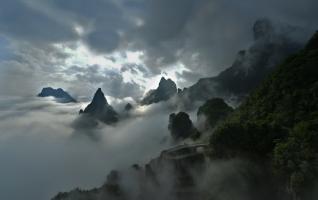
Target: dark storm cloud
<point x="54" y="21"/>
<point x="19" y="20"/>
<point x="103" y="21"/>
<point x="204" y="35"/>
<point x="31" y="28"/>
<point x="162" y="33"/>
<point x="174" y="13"/>
<point x="103" y="40"/>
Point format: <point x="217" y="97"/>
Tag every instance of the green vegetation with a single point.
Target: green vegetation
<point x="215" y="110"/>
<point x="251" y="140"/>
<point x="296" y="158"/>
<point x="278" y="123"/>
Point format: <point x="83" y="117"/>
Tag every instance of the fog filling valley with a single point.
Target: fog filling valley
<point x="186" y="69"/>
<point x="42" y="153"/>
<point x="45" y="150"/>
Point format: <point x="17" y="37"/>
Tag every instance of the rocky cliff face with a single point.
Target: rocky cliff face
<point x="272" y="44"/>
<point x="100" y="109"/>
<point x="59" y="94"/>
<point x="166" y="89"/>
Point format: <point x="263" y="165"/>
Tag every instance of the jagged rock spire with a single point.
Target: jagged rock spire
<point x="100" y="109"/>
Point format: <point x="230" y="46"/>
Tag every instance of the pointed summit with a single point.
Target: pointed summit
<point x="162" y="80"/>
<point x="166" y="89"/>
<point x="99" y="100"/>
<point x="167" y="84"/>
<point x="100" y="109"/>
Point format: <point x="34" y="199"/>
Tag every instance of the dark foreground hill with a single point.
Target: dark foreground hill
<point x="277" y="125"/>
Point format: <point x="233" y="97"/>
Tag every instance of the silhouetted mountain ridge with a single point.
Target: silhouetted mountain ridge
<point x="273" y="42"/>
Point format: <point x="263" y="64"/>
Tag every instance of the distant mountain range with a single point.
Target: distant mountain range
<point x="59" y="94"/>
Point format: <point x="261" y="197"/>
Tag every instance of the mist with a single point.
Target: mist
<point x="42" y="153"/>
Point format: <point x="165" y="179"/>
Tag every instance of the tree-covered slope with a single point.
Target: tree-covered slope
<point x="278" y="123"/>
<point x="289" y="95"/>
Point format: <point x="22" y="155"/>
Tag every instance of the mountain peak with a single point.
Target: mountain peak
<point x="100" y="108"/>
<point x="165" y="90"/>
<point x="99" y="97"/>
<point x="166" y="83"/>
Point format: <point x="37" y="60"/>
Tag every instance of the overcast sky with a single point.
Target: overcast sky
<point x="124" y="46"/>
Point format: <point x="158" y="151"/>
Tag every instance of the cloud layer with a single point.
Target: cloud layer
<point x="41" y="154"/>
<point x="202" y="35"/>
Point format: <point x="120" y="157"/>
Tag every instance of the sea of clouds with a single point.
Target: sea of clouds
<point x="43" y="151"/>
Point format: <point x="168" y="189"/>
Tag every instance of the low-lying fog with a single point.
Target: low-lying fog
<point x="41" y="153"/>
